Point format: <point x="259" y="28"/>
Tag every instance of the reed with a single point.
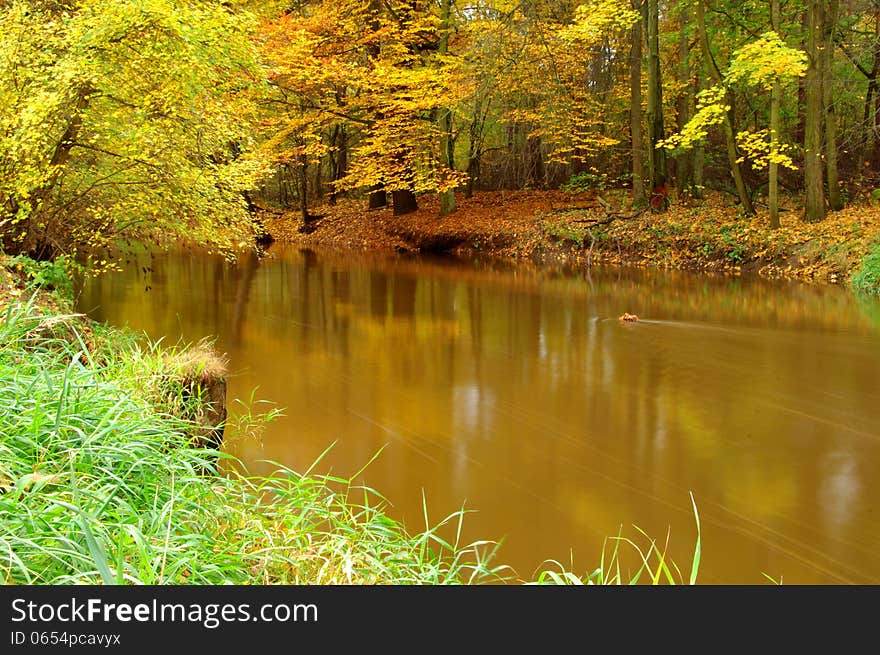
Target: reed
<point x="654" y="566"/>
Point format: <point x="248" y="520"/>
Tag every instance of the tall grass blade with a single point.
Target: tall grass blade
<point x="99" y="555"/>
<point x="695" y="567"/>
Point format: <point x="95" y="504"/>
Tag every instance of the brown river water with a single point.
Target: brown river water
<point x="517" y="393"/>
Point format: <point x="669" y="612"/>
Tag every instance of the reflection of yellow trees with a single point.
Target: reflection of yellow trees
<point x="712" y="297"/>
<point x="421" y="329"/>
<point x="522" y="392"/>
<point x="766" y="491"/>
<point x="692" y="422"/>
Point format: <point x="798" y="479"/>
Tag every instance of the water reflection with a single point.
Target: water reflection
<point x="519" y="393"/>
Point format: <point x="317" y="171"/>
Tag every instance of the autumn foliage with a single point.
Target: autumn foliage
<point x="156" y="120"/>
<point x="124" y="119"/>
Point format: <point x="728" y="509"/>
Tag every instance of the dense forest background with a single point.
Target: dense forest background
<point x="147" y="119"/>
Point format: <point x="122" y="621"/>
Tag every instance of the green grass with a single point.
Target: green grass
<point x="654" y="566"/>
<point x="96" y="486"/>
<point x="100" y="483"/>
<point x="867" y="278"/>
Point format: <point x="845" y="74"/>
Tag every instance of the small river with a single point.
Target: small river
<point x="518" y="393"/>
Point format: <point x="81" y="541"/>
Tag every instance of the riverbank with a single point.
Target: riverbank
<point x="101" y="438"/>
<point x="99" y="443"/>
<point x="559" y="228"/>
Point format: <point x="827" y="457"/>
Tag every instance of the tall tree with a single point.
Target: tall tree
<point x="378" y="195"/>
<point x="656" y="132"/>
<point x="814" y="198"/>
<point x="829" y="28"/>
<point x="699" y="149"/>
<point x="763" y="63"/>
<point x="683" y="163"/>
<point x="766" y="63"/>
<point x="447" y="143"/>
<point x="635" y="109"/>
<point x="714" y="72"/>
<point x="125" y="119"/>
<point x="775" y="104"/>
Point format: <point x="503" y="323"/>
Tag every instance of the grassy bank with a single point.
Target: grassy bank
<point x="99" y="485"/>
<point x="555" y="227"/>
<point x="103" y="480"/>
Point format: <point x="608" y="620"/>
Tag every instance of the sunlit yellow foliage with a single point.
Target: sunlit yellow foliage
<point x="595" y="20"/>
<point x="545" y="75"/>
<point x="711" y="107"/>
<point x="761" y="152"/>
<point x="124" y="119"/>
<point x="762" y="63"/>
<point x="766" y="60"/>
<point x="369" y="67"/>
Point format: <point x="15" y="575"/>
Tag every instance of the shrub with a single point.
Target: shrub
<point x="47" y="275"/>
<point x="592" y="180"/>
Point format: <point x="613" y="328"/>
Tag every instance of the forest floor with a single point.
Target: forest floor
<point x="560" y="228"/>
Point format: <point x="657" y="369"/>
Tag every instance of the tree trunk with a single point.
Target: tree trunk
<point x="340" y="160"/>
<point x="447" y="198"/>
<point x="635" y="113"/>
<point x="511" y="175"/>
<point x="403" y="202"/>
<point x="285" y="186"/>
<point x="655" y="95"/>
<point x="303" y="193"/>
<point x="875" y="132"/>
<point x="473" y="168"/>
<point x="773" y="173"/>
<point x="775" y="102"/>
<point x="699" y="150"/>
<point x="318" y="184"/>
<point x="378" y="197"/>
<point x="447" y="145"/>
<point x="868" y="121"/>
<point x="814" y="200"/>
<point x="535" y="171"/>
<point x="27" y="236"/>
<point x="732" y="156"/>
<point x="870" y="138"/>
<point x="835" y="202"/>
<point x="683" y="161"/>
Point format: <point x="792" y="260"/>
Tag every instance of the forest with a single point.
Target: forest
<point x="149" y="119"/>
<point x="243" y="239"/>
